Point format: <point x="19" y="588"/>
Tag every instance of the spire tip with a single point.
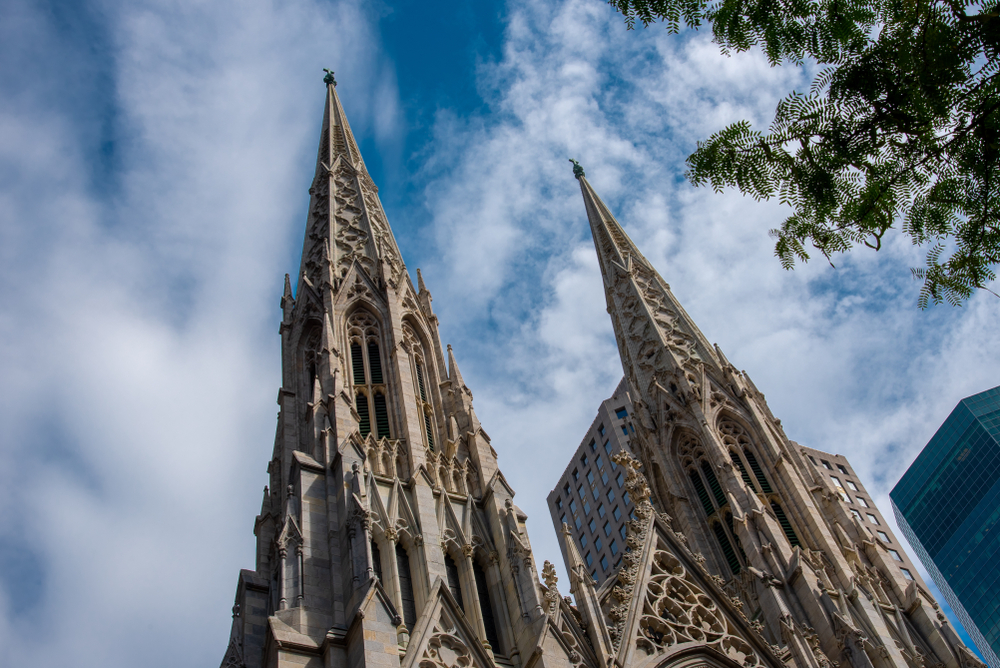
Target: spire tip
<point x="577" y="169"/>
<point x="328" y="79"/>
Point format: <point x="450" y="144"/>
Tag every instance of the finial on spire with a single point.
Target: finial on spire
<point x="453" y="373"/>
<point x="328" y="79"/>
<point x="577" y="169"/>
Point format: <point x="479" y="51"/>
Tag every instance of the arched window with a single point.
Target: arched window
<point x="366" y="372"/>
<point x="406" y="587"/>
<point x="486" y="606"/>
<point x="741" y="450"/>
<point x="454" y="584"/>
<point x="419" y="370"/>
<point x="708" y="490"/>
<point x="377" y="561"/>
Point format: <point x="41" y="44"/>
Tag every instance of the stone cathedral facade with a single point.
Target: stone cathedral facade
<point x="388" y="535"/>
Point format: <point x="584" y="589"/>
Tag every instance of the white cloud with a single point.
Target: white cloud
<point x="139" y="352"/>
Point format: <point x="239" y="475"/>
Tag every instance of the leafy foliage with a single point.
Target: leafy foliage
<point x="901" y="127"/>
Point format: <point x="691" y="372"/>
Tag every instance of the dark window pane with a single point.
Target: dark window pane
<point x="727" y="548"/>
<point x="376" y="560"/>
<point x="406" y="587"/>
<point x="713" y="484"/>
<point x="358" y="364"/>
<point x="364" y="424"/>
<point x="786" y="526"/>
<point x="430" y="431"/>
<point x="486" y="607"/>
<point x="381" y="417"/>
<point x="743" y="470"/>
<point x="420" y="383"/>
<point x="454" y="584"/>
<point x="374" y="363"/>
<point x="764" y="485"/>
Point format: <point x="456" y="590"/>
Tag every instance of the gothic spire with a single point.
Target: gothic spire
<point x="454" y="375"/>
<point x="346" y="221"/>
<point x="658" y="341"/>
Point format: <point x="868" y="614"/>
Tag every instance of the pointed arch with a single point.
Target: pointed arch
<point x="364" y="333"/>
<point x="690" y="451"/>
<point x="423" y="372"/>
<point x="741" y="443"/>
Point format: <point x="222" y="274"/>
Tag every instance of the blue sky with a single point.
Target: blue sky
<point x="155" y="159"/>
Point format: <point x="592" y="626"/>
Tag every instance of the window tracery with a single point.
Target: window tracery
<point x="419" y="370"/>
<point x="741" y="450"/>
<point x="370" y="390"/>
<point x="713" y="499"/>
<point x="676" y="610"/>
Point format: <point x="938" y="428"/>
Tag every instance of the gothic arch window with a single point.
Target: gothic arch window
<point x="486" y="606"/>
<point x="419" y="369"/>
<point x="742" y="452"/>
<point x="368" y="379"/>
<point x="713" y="499"/>
<point x="454" y="581"/>
<point x="406" y="587"/>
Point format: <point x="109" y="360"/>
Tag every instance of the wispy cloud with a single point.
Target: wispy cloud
<point x="139" y="351"/>
<point x="155" y="170"/>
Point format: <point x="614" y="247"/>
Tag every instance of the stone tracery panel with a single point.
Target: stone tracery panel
<point x="676" y="610"/>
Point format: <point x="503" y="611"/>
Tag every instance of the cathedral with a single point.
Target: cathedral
<point x="389" y="536"/>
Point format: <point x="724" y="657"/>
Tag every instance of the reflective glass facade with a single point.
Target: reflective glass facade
<point x="948" y="505"/>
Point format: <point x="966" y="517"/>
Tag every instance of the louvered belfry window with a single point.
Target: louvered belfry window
<point x="371" y="396"/>
<point x="708" y="488"/>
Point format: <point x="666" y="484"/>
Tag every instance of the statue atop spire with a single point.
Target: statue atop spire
<point x="577" y="169"/>
<point x="328" y="79"/>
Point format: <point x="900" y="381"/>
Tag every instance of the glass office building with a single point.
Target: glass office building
<point x="948" y="506"/>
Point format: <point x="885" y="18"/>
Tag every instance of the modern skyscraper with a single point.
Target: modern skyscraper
<point x="388" y="535"/>
<point x="591" y="497"/>
<point x="948" y="506"/>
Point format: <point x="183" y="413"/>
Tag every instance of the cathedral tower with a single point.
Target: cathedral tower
<point x="742" y="498"/>
<point x="387" y="534"/>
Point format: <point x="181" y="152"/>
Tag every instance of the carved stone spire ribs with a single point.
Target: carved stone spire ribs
<point x="346" y="221"/>
<point x="657" y="339"/>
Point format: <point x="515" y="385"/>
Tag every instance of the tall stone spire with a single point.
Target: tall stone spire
<point x="346" y="221"/>
<point x="738" y="505"/>
<point x="658" y="341"/>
